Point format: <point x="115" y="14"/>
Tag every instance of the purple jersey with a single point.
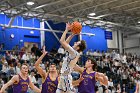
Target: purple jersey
<point x="88" y="84"/>
<point x="21" y="86"/>
<point x="49" y="86"/>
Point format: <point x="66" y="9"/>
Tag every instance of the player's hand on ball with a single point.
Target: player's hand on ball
<point x="68" y="26"/>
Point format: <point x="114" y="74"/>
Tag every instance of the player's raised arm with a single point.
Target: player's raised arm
<point x="69" y="38"/>
<point x="63" y="37"/>
<point x="37" y="66"/>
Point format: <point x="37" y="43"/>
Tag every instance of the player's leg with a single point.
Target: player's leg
<point x="61" y="86"/>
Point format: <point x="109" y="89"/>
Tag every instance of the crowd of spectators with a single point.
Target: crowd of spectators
<point x="122" y="69"/>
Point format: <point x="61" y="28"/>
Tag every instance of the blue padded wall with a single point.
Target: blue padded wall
<point x="18" y="33"/>
<point x="97" y="42"/>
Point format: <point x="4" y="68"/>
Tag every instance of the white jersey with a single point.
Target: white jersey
<point x="66" y="69"/>
<point x="65" y="84"/>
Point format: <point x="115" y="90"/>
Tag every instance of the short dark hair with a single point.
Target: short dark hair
<point x="52" y="64"/>
<point x="82" y="46"/>
<point x="93" y="61"/>
<point x="25" y="65"/>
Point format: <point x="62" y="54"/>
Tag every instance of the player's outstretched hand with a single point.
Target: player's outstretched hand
<point x="44" y="51"/>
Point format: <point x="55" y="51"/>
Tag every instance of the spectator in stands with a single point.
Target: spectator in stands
<point x="34" y="49"/>
<point x="17" y="68"/>
<point x="138" y="67"/>
<point x="138" y="84"/>
<point x="61" y="50"/>
<point x="135" y="56"/>
<point x="32" y="58"/>
<point x="13" y="55"/>
<point x="95" y="53"/>
<point x="16" y="48"/>
<point x="118" y="88"/>
<point x="7" y="55"/>
<point x="47" y="65"/>
<point x="42" y="65"/>
<point x="110" y="84"/>
<point x="25" y="57"/>
<point x="5" y="67"/>
<point x="1" y="46"/>
<point x="3" y="60"/>
<point x="32" y="77"/>
<point x="124" y="76"/>
<point x="31" y="67"/>
<point x="33" y="80"/>
<point x="124" y="88"/>
<point x="124" y="58"/>
<point x="11" y="72"/>
<point x="22" y="51"/>
<point x="1" y="82"/>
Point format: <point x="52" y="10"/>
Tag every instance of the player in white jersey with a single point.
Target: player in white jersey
<point x="69" y="61"/>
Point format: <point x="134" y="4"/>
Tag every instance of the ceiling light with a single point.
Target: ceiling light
<point x="30" y="3"/>
<point x="92" y="14"/>
<point x="139" y="22"/>
<point x="93" y="17"/>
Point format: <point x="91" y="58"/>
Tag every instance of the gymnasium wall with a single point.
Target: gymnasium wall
<point x="132" y="45"/>
<point x="19" y="34"/>
<point x="97" y="42"/>
<point x="114" y="42"/>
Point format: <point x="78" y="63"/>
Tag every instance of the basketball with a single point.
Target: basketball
<point x="76" y="27"/>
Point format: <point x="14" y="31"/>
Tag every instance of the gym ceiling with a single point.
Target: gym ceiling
<point x="109" y="14"/>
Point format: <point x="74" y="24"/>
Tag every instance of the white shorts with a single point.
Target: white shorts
<point x="65" y="84"/>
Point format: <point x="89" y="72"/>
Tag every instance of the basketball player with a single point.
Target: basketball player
<point x="65" y="84"/>
<point x="50" y="78"/>
<point x="86" y="84"/>
<point x="20" y="82"/>
<point x="138" y="84"/>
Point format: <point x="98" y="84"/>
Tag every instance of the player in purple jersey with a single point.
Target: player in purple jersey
<point x="21" y="82"/>
<point x="50" y="78"/>
<point x="86" y="84"/>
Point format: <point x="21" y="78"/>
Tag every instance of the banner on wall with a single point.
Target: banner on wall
<point x="108" y="35"/>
